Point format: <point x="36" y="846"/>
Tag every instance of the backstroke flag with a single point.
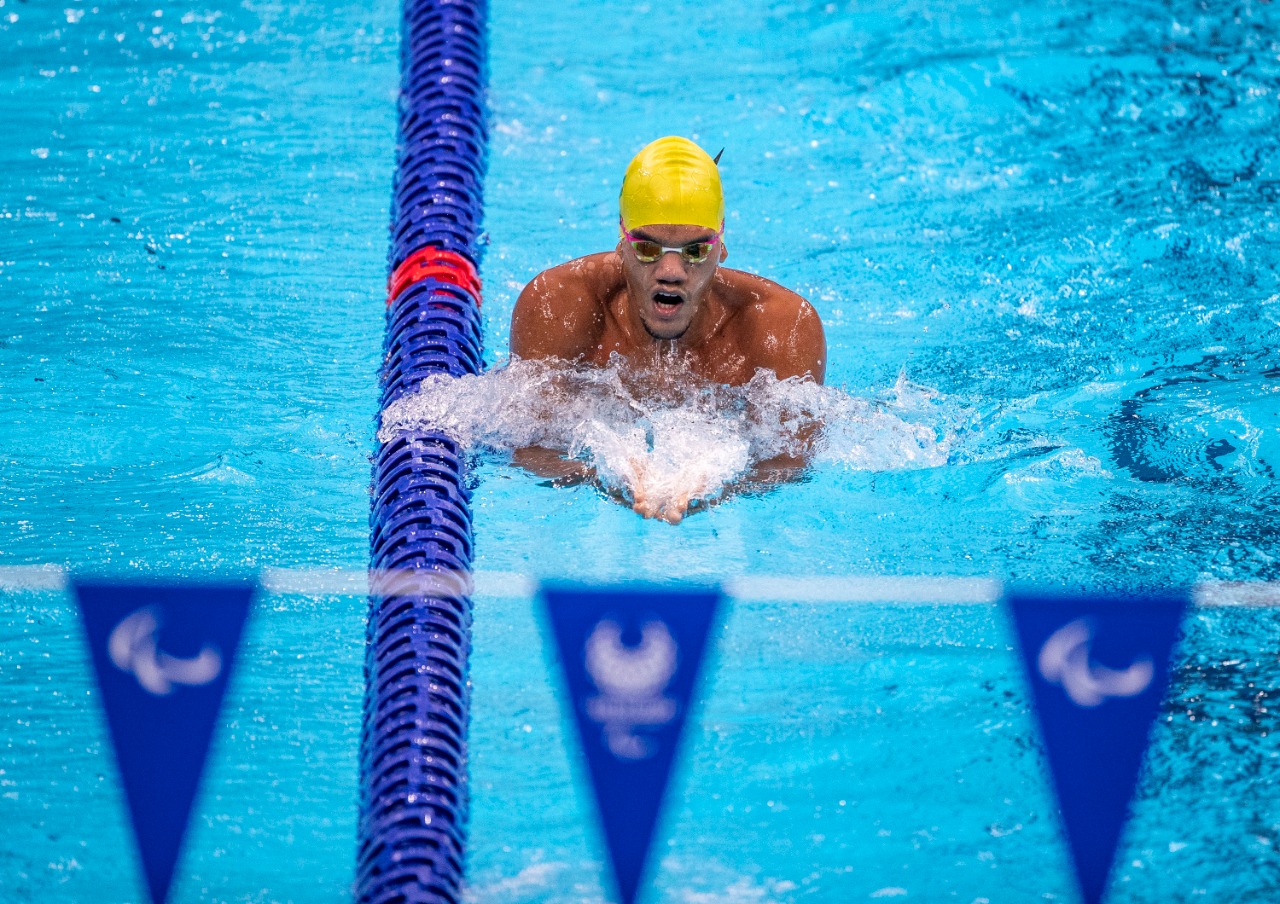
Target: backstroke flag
<point x="1098" y="668"/>
<point x="163" y="654"/>
<point x="630" y="658"/>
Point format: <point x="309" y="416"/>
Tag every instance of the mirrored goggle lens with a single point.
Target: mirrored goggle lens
<point x="697" y="252"/>
<point x="647" y="252"/>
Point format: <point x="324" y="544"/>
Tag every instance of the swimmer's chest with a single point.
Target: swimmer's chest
<point x="724" y="357"/>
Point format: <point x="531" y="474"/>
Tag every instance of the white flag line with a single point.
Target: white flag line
<point x="1244" y="594"/>
<point x="914" y="590"/>
<point x="32" y="578"/>
<point x="315" y="581"/>
<point x="505" y="583"/>
<point x="837" y="589"/>
<point x="396" y="582"/>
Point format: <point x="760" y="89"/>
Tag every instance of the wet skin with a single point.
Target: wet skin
<point x="704" y="320"/>
<point x="722" y="324"/>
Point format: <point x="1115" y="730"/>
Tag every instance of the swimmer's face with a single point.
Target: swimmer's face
<point x="669" y="291"/>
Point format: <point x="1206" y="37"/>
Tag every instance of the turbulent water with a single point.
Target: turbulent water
<point x="670" y="434"/>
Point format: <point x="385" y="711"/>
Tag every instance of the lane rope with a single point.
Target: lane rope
<point x="413" y="745"/>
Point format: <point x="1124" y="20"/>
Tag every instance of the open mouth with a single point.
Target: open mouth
<point x="667" y="302"/>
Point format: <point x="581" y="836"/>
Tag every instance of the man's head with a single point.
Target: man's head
<point x="672" y="224"/>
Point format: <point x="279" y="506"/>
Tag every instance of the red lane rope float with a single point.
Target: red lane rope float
<point x="434" y="263"/>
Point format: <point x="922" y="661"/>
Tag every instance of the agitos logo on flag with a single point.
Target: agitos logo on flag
<point x="163" y="655"/>
<point x="630" y="658"/>
<point x="1098" y="668"/>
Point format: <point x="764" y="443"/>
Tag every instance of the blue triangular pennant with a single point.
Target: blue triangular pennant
<point x="630" y="658"/>
<point x="163" y="654"/>
<point x="1098" y="668"/>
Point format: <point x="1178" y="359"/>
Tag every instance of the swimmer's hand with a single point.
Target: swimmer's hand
<point x="670" y="509"/>
<point x="661" y="498"/>
<point x="652" y="498"/>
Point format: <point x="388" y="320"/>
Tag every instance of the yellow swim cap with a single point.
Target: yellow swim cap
<point x="672" y="181"/>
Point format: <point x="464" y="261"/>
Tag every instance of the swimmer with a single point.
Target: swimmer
<point x="662" y="301"/>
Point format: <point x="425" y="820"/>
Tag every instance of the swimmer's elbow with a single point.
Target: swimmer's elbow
<point x="811" y="343"/>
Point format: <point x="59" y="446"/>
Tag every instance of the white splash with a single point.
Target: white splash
<point x="1064" y="467"/>
<point x="670" y="435"/>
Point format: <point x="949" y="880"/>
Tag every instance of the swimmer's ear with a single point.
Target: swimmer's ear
<point x="724" y="251"/>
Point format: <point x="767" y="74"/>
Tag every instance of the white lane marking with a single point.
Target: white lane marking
<point x="863" y="589"/>
<point x="32" y="578"/>
<point x="907" y="589"/>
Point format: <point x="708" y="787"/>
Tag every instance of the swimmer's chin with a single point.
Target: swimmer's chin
<point x="664" y="336"/>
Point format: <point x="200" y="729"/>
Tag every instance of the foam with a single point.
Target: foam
<point x="666" y="435"/>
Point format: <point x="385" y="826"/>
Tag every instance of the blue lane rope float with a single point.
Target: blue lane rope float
<point x="413" y="759"/>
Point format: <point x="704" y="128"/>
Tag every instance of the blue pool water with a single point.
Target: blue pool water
<point x="1057" y="219"/>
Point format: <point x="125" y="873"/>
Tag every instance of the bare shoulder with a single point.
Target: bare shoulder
<point x="780" y="328"/>
<point x="560" y="313"/>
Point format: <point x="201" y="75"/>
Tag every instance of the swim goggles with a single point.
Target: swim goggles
<point x="693" y="253"/>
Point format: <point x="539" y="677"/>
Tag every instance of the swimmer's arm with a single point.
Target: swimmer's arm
<point x="792" y="341"/>
<point x="544" y="462"/>
<point x="793" y="344"/>
<point x="787" y="467"/>
<point x="558" y="315"/>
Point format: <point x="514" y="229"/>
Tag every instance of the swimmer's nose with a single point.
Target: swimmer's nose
<point x="670" y="268"/>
